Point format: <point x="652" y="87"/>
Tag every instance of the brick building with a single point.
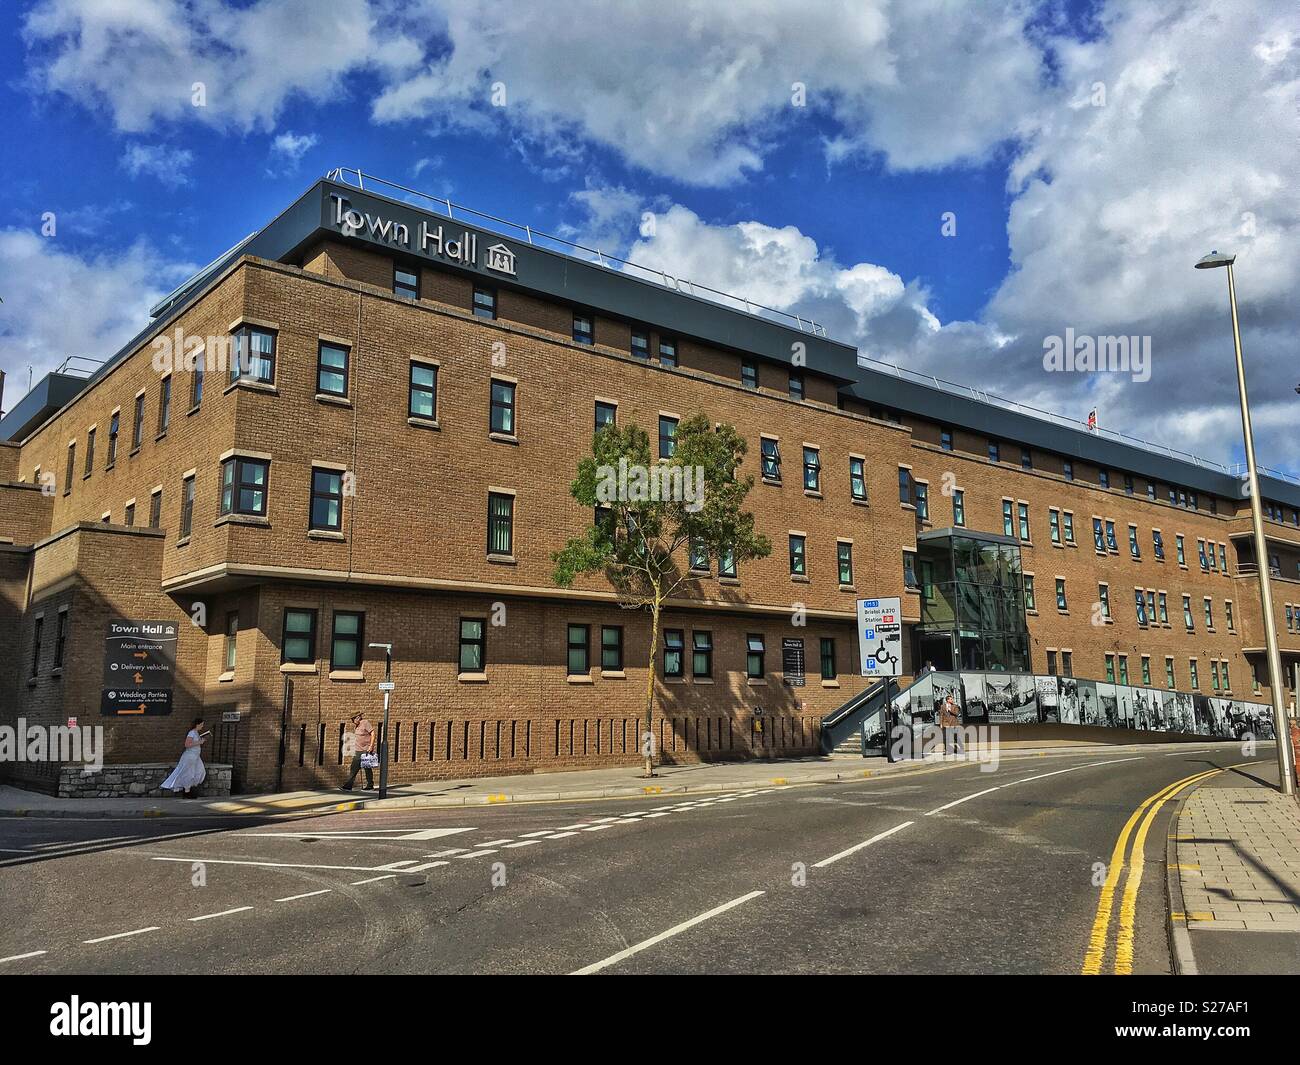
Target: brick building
<point x="376" y="444"/>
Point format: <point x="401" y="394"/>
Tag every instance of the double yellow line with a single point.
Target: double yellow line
<point x="1096" y="953"/>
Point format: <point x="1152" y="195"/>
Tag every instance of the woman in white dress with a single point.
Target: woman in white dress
<point x="189" y="771"/>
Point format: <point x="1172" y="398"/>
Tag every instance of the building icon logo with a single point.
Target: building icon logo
<point x="501" y="259"/>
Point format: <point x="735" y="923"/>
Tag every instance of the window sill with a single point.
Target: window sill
<point x="56" y="672"/>
<point x="693" y="572"/>
<point x="423" y="423"/>
<point x="326" y="534"/>
<point x="226" y="678"/>
<point x="580" y="678"/>
<point x="86" y="476"/>
<point x="798" y="579"/>
<point x="183" y="541"/>
<point x="504" y="560"/>
<point x="160" y="436"/>
<point x="1032" y="613"/>
<point x="472" y="678"/>
<point x="333" y="400"/>
<point x="613" y="674"/>
<point x="908" y="506"/>
<point x="298" y="667"/>
<point x="859" y="502"/>
<point x="756" y="682"/>
<point x="251" y="386"/>
<point x="31" y="681"/>
<point x="351" y="675"/>
<point x="667" y="680"/>
<point x="729" y="580"/>
<point x="775" y="482"/>
<point x="110" y="466"/>
<point x="830" y="684"/>
<point x="133" y="452"/>
<point x="242" y="519"/>
<point x="812" y="493"/>
<point x="701" y="680"/>
<point x="503" y="438"/>
<point x="193" y="410"/>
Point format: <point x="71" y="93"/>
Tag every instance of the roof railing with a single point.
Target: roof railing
<point x="348" y="175"/>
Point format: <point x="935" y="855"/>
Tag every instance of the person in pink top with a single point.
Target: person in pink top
<point x="363" y="743"/>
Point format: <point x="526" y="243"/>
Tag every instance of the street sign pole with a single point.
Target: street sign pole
<point x="387" y="688"/>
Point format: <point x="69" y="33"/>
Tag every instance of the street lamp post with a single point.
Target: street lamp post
<point x="387" y="688"/>
<point x="1280" y="724"/>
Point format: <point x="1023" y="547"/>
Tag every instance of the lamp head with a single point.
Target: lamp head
<point x="1215" y="259"/>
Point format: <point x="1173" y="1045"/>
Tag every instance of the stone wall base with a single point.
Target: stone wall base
<point x="134" y="781"/>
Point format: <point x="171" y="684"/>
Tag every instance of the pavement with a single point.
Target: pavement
<point x="1235" y="876"/>
<point x="939" y="867"/>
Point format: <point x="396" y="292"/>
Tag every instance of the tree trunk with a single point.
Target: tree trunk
<point x="648" y="740"/>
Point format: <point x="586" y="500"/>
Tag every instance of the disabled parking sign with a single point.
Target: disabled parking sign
<point x="880" y="637"/>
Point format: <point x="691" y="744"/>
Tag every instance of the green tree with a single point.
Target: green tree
<point x="643" y="536"/>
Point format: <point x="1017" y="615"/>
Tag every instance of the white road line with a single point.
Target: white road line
<point x="444" y="853"/>
<point x="583" y="824"/>
<point x="476" y="854"/>
<point x="223" y="913"/>
<point x="561" y="835"/>
<point x="1025" y="780"/>
<point x="496" y="842"/>
<point x="123" y="935"/>
<point x="398" y="865"/>
<point x="601" y="828"/>
<point x="604" y="820"/>
<point x="661" y="813"/>
<point x="373" y="879"/>
<point x="523" y="843"/>
<point x="426" y="865"/>
<point x="305" y="895"/>
<point x="614" y="959"/>
<point x="858" y="846"/>
<point x="20" y="957"/>
<point x="533" y="835"/>
<point x="273" y="865"/>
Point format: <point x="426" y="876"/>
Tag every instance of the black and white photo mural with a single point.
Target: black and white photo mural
<point x="1049" y="699"/>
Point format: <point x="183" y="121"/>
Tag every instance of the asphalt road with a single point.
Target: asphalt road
<point x="928" y="871"/>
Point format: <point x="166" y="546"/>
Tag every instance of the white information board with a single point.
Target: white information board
<point x="880" y="637"/>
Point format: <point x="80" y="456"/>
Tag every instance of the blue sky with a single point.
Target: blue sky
<point x="1084" y="155"/>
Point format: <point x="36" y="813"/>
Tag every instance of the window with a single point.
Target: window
<point x="1194" y="673"/>
<point x="485" y="302"/>
<point x="844" y="560"/>
<point x="771" y="456"/>
<point x="90" y="452"/>
<point x="611" y="648"/>
<point x="926" y="573"/>
<point x="1098" y="536"/>
<point x="749" y="373"/>
<point x="1209" y="613"/>
<point x="1067" y="469"/>
<point x="1123" y="669"/>
<point x="582" y="329"/>
<point x="958" y="507"/>
<point x="1067" y="663"/>
<point x="1178" y="548"/>
<point x="1164" y="609"/>
<point x="473" y="645"/>
<point x="326" y="499"/>
<point x="37" y="629"/>
<point x="727" y="563"/>
<point x="1214" y="674"/>
<point x="1103" y="478"/>
<point x="1103" y="597"/>
<point x="754" y="655"/>
<point x="1111" y="543"/>
<point x="1022" y="516"/>
<point x="1151" y="606"/>
<point x="796" y="385"/>
<point x="1026" y="459"/>
<point x="701" y="653"/>
<point x="909" y="570"/>
<point x="1030" y="604"/>
<point x="1128" y="484"/>
<point x="699" y="556"/>
<point x="113" y="425"/>
<point x="674" y="643"/>
<point x="1054" y="525"/>
<point x="1008" y="518"/>
<point x="798" y="560"/>
<point x="1068" y="517"/>
<point x="667" y="352"/>
<point x="1170" y="682"/>
<point x="1151" y="490"/>
<point x="904" y="485"/>
<point x="129" y="515"/>
<point x="945" y="438"/>
<point x="196" y="382"/>
<point x="503" y="407"/>
<point x="1051" y="662"/>
<point x="137" y="427"/>
<point x="252" y="355"/>
<point x="164" y="405"/>
<point x="155" y="510"/>
<point x="828" y="658"/>
<point x="922" y="501"/>
<point x="1200" y="554"/>
<point x="243" y="486"/>
<point x="1227" y="613"/>
<point x="1187" y="613"/>
<point x="299" y="640"/>
<point x="60" y="638"/>
<point x="1140" y="602"/>
<point x="1133" y="548"/>
<point x="1227" y="682"/>
<point x="667" y="436"/>
<point x="606" y="414"/>
<point x="1157" y="545"/>
<point x="1223" y="560"/>
<point x="406" y="283"/>
<point x="422" y="401"/>
<point x="995" y="451"/>
<point x="501" y="524"/>
<point x="1060" y="595"/>
<point x="812" y="470"/>
<point x="1146" y="670"/>
<point x="349" y="631"/>
<point x="858" y="479"/>
<point x="640" y="345"/>
<point x="187" y="507"/>
<point x="579" y="653"/>
<point x="1110" y="668"/>
<point x="230" y="648"/>
<point x="332" y="369"/>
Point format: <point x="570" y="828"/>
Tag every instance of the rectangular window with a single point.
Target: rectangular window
<point x="828" y="658"/>
<point x="922" y="498"/>
<point x="326" y="499"/>
<point x="1051" y="662"/>
<point x="473" y="645"/>
<point x="164" y="405"/>
<point x="1030" y="603"/>
<point x="1054" y="525"/>
<point x="37" y="630"/>
<point x="1164" y="609"/>
<point x="1111" y="543"/>
<point x="1123" y="669"/>
<point x="1209" y="613"/>
<point x="995" y="451"/>
<point x="298" y="643"/>
<point x="858" y="479"/>
<point x="1026" y="459"/>
<point x="1227" y="681"/>
<point x="1022" y="517"/>
<point x="1067" y="469"/>
<point x="1194" y="672"/>
<point x="137" y="427"/>
<point x="701" y="653"/>
<point x="771" y="456"/>
<point x="904" y="485"/>
<point x="1133" y="548"/>
<point x="1103" y="478"/>
<point x="230" y="648"/>
<point x="641" y="345"/>
<point x="128" y="518"/>
<point x="674" y="645"/>
<point x="1110" y="668"/>
<point x="197" y="377"/>
<point x="1214" y="674"/>
<point x="1103" y="597"/>
<point x="1227" y="613"/>
<point x="243" y="486"/>
<point x="1098" y="535"/>
<point x="796" y="385"/>
<point x="406" y="283"/>
<point x="349" y="633"/>
<point x="958" y="507"/>
<point x="187" y="506"/>
<point x="1060" y="595"/>
<point x="812" y="470"/>
<point x="422" y="400"/>
<point x="1178" y="549"/>
<point x="1157" y="545"/>
<point x="332" y="369"/>
<point x="667" y="352"/>
<point x="485" y="302"/>
<point x="501" y="524"/>
<point x="1187" y="613"/>
<point x="909" y="570"/>
<point x="755" y="653"/>
<point x="252" y="355"/>
<point x="582" y="329"/>
<point x="749" y="373"/>
<point x="1146" y="670"/>
<point x="1200" y="554"/>
<point x="606" y="414"/>
<point x="155" y="510"/>
<point x="1068" y="517"/>
<point x="611" y="648"/>
<point x="1008" y="518"/>
<point x="699" y="556"/>
<point x="1140" y="604"/>
<point x="945" y="438"/>
<point x="579" y="654"/>
<point x="1170" y="682"/>
<point x="90" y="452"/>
<point x="503" y="407"/>
<point x="1223" y="560"/>
<point x="60" y="638"/>
<point x="844" y="559"/>
<point x="667" y="436"/>
<point x="113" y="424"/>
<point x="1067" y="663"/>
<point x="798" y="559"/>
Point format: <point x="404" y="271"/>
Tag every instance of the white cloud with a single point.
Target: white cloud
<point x="168" y="165"/>
<point x="291" y="147"/>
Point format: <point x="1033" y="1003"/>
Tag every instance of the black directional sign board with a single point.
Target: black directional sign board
<point x="139" y="665"/>
<point x="792" y="661"/>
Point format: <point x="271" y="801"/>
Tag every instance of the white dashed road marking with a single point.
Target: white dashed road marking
<point x="20" y="957"/>
<point x="123" y="935"/>
<point x="305" y="895"/>
<point x="223" y="913"/>
<point x="858" y="846"/>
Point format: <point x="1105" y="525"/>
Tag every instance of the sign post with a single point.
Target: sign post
<point x="386" y="686"/>
<point x="880" y="650"/>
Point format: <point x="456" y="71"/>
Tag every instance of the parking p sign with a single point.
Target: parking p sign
<point x="880" y="637"/>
